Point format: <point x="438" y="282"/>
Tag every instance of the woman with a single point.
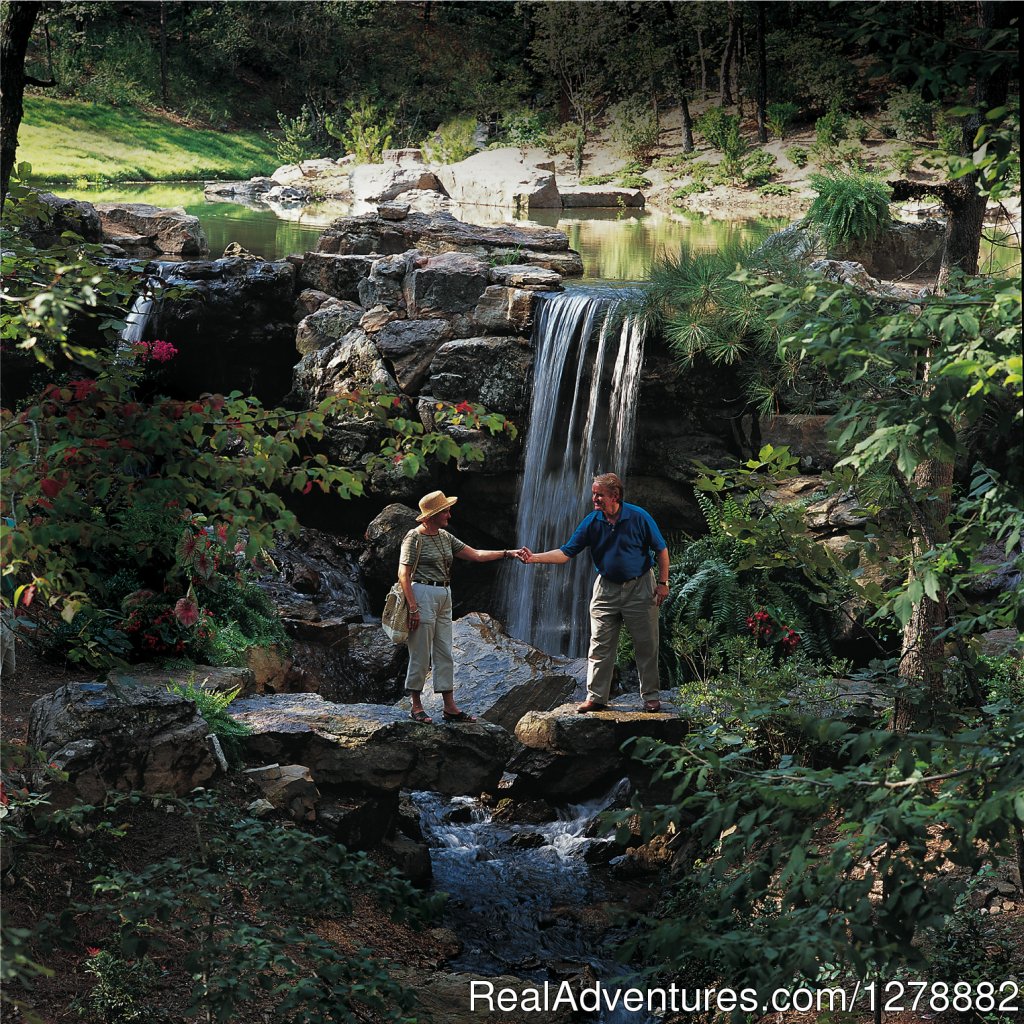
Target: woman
<point x="424" y="572"/>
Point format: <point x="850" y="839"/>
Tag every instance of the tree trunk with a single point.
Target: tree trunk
<point x="703" y="66"/>
<point x="163" y="53"/>
<point x="679" y="55"/>
<point x="762" y="78"/>
<point x="921" y="656"/>
<point x="724" y="88"/>
<point x="15" y="29"/>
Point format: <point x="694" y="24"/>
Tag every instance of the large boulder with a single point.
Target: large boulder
<point x="333" y="320"/>
<point x="433" y="233"/>
<point x="501" y="679"/>
<point x="372" y="748"/>
<point x="338" y="275"/>
<point x="145" y="230"/>
<point x="504" y="310"/>
<point x="443" y="285"/>
<point x="568" y="756"/>
<point x="410" y="347"/>
<point x="123" y="737"/>
<point x="492" y="371"/>
<point x="598" y="197"/>
<point x="347" y="364"/>
<point x="381" y="183"/>
<point x="502" y="177"/>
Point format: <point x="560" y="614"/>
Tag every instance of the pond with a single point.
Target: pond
<point x="616" y="246"/>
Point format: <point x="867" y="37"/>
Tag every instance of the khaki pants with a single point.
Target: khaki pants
<point x="430" y="645"/>
<point x="613" y="605"/>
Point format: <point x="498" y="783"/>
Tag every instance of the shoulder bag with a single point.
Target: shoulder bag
<point x="395" y="618"/>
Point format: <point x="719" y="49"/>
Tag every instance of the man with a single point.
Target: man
<point x="625" y="544"/>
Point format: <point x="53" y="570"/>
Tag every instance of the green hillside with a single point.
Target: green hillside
<point x="71" y="140"/>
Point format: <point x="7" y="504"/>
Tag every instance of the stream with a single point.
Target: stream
<point x="520" y="894"/>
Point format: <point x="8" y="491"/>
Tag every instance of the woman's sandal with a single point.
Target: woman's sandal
<point x="457" y="716"/>
<point x="420" y="716"/>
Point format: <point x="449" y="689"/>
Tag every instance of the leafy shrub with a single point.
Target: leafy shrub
<point x="598" y="179"/>
<point x="949" y="134"/>
<point x="810" y="71"/>
<point x="902" y="159"/>
<point x="524" y="127"/>
<point x="908" y="115"/>
<point x="634" y="129"/>
<point x="758" y="167"/>
<point x="564" y="139"/>
<point x="797" y="155"/>
<point x="775" y="188"/>
<point x="453" y="141"/>
<point x="633" y="180"/>
<point x="694" y="188"/>
<point x="830" y="128"/>
<point x="673" y="161"/>
<point x="213" y="706"/>
<point x="123" y="990"/>
<point x="1003" y="678"/>
<point x="300" y="138"/>
<point x="718" y="127"/>
<point x="857" y="129"/>
<point x="848" y="156"/>
<point x="779" y="116"/>
<point x="366" y="132"/>
<point x="848" y="207"/>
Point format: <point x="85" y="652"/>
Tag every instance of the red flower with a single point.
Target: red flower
<point x="50" y="487"/>
<point x="81" y="389"/>
<point x="308" y="487"/>
<point x="93" y="950"/>
<point x="163" y="351"/>
<point x="464" y="407"/>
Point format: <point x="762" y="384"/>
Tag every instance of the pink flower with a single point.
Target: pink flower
<point x="81" y="389"/>
<point x="93" y="950"/>
<point x="163" y="351"/>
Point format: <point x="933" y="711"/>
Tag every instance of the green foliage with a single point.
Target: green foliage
<point x="757" y="573"/>
<point x="673" y="161"/>
<point x="633" y="180"/>
<point x="366" y="132"/>
<point x="891" y="421"/>
<point x="758" y="167"/>
<point x="857" y="129"/>
<point x="808" y="69"/>
<point x="564" y="139"/>
<point x="830" y="128"/>
<point x="903" y="159"/>
<point x="213" y="706"/>
<point x="239" y="907"/>
<point x="300" y="138"/>
<point x="634" y="129"/>
<point x="776" y="188"/>
<point x="848" y="207"/>
<point x="1003" y="678"/>
<point x="779" y="116"/>
<point x="856" y="897"/>
<point x="949" y="134"/>
<point x="122" y="992"/>
<point x="693" y="188"/>
<point x="523" y="127"/>
<point x="719" y="129"/>
<point x="908" y="116"/>
<point x="598" y="179"/>
<point x="797" y="155"/>
<point x="453" y="141"/>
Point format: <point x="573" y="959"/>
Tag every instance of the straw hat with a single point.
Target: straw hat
<point x="432" y="503"/>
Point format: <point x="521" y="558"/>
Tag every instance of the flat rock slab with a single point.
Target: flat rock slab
<point x="373" y="748"/>
<point x="563" y="730"/>
<point x="601" y="197"/>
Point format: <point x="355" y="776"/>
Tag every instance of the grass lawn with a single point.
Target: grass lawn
<point x="71" y="141"/>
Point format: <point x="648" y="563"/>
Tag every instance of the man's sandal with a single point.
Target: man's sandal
<point x="420" y="716"/>
<point x="457" y="716"/>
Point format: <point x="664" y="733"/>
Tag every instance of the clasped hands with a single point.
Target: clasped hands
<point x="522" y="554"/>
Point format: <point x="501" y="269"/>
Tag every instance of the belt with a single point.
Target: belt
<point x="632" y="579"/>
<point x="429" y="583"/>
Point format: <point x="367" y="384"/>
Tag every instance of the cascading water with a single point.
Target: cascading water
<point x="509" y="889"/>
<point x="586" y="381"/>
<point x="142" y="308"/>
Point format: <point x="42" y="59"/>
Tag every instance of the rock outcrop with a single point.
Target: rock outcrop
<point x="502" y="177"/>
<point x="144" y="230"/>
<point x="369" y="748"/>
<point x="123" y="738"/>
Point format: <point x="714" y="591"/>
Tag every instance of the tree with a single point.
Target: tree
<point x="16" y="21"/>
<point x="679" y="32"/>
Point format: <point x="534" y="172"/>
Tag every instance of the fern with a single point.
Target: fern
<point x="849" y="207"/>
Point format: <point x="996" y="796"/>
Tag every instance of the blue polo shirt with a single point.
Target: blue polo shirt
<point x="621" y="551"/>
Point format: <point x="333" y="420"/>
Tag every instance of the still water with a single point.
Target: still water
<point x="616" y="246"/>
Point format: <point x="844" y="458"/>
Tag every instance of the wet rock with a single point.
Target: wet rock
<point x="837" y="512"/>
<point x="562" y="730"/>
<point x="384" y="536"/>
<point x="524" y="812"/>
<point x="383" y="285"/>
<point x="350" y="363"/>
<point x="410" y="346"/>
<point x="372" y="748"/>
<point x="563" y="778"/>
<point x="65" y="215"/>
<point x="505" y="310"/>
<point x="805" y="436"/>
<point x="522" y="275"/>
<point x="409" y="858"/>
<point x="123" y="738"/>
<point x="444" y="284"/>
<point x="309" y="300"/>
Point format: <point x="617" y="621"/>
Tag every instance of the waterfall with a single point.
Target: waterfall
<point x="142" y="307"/>
<point x="582" y="422"/>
